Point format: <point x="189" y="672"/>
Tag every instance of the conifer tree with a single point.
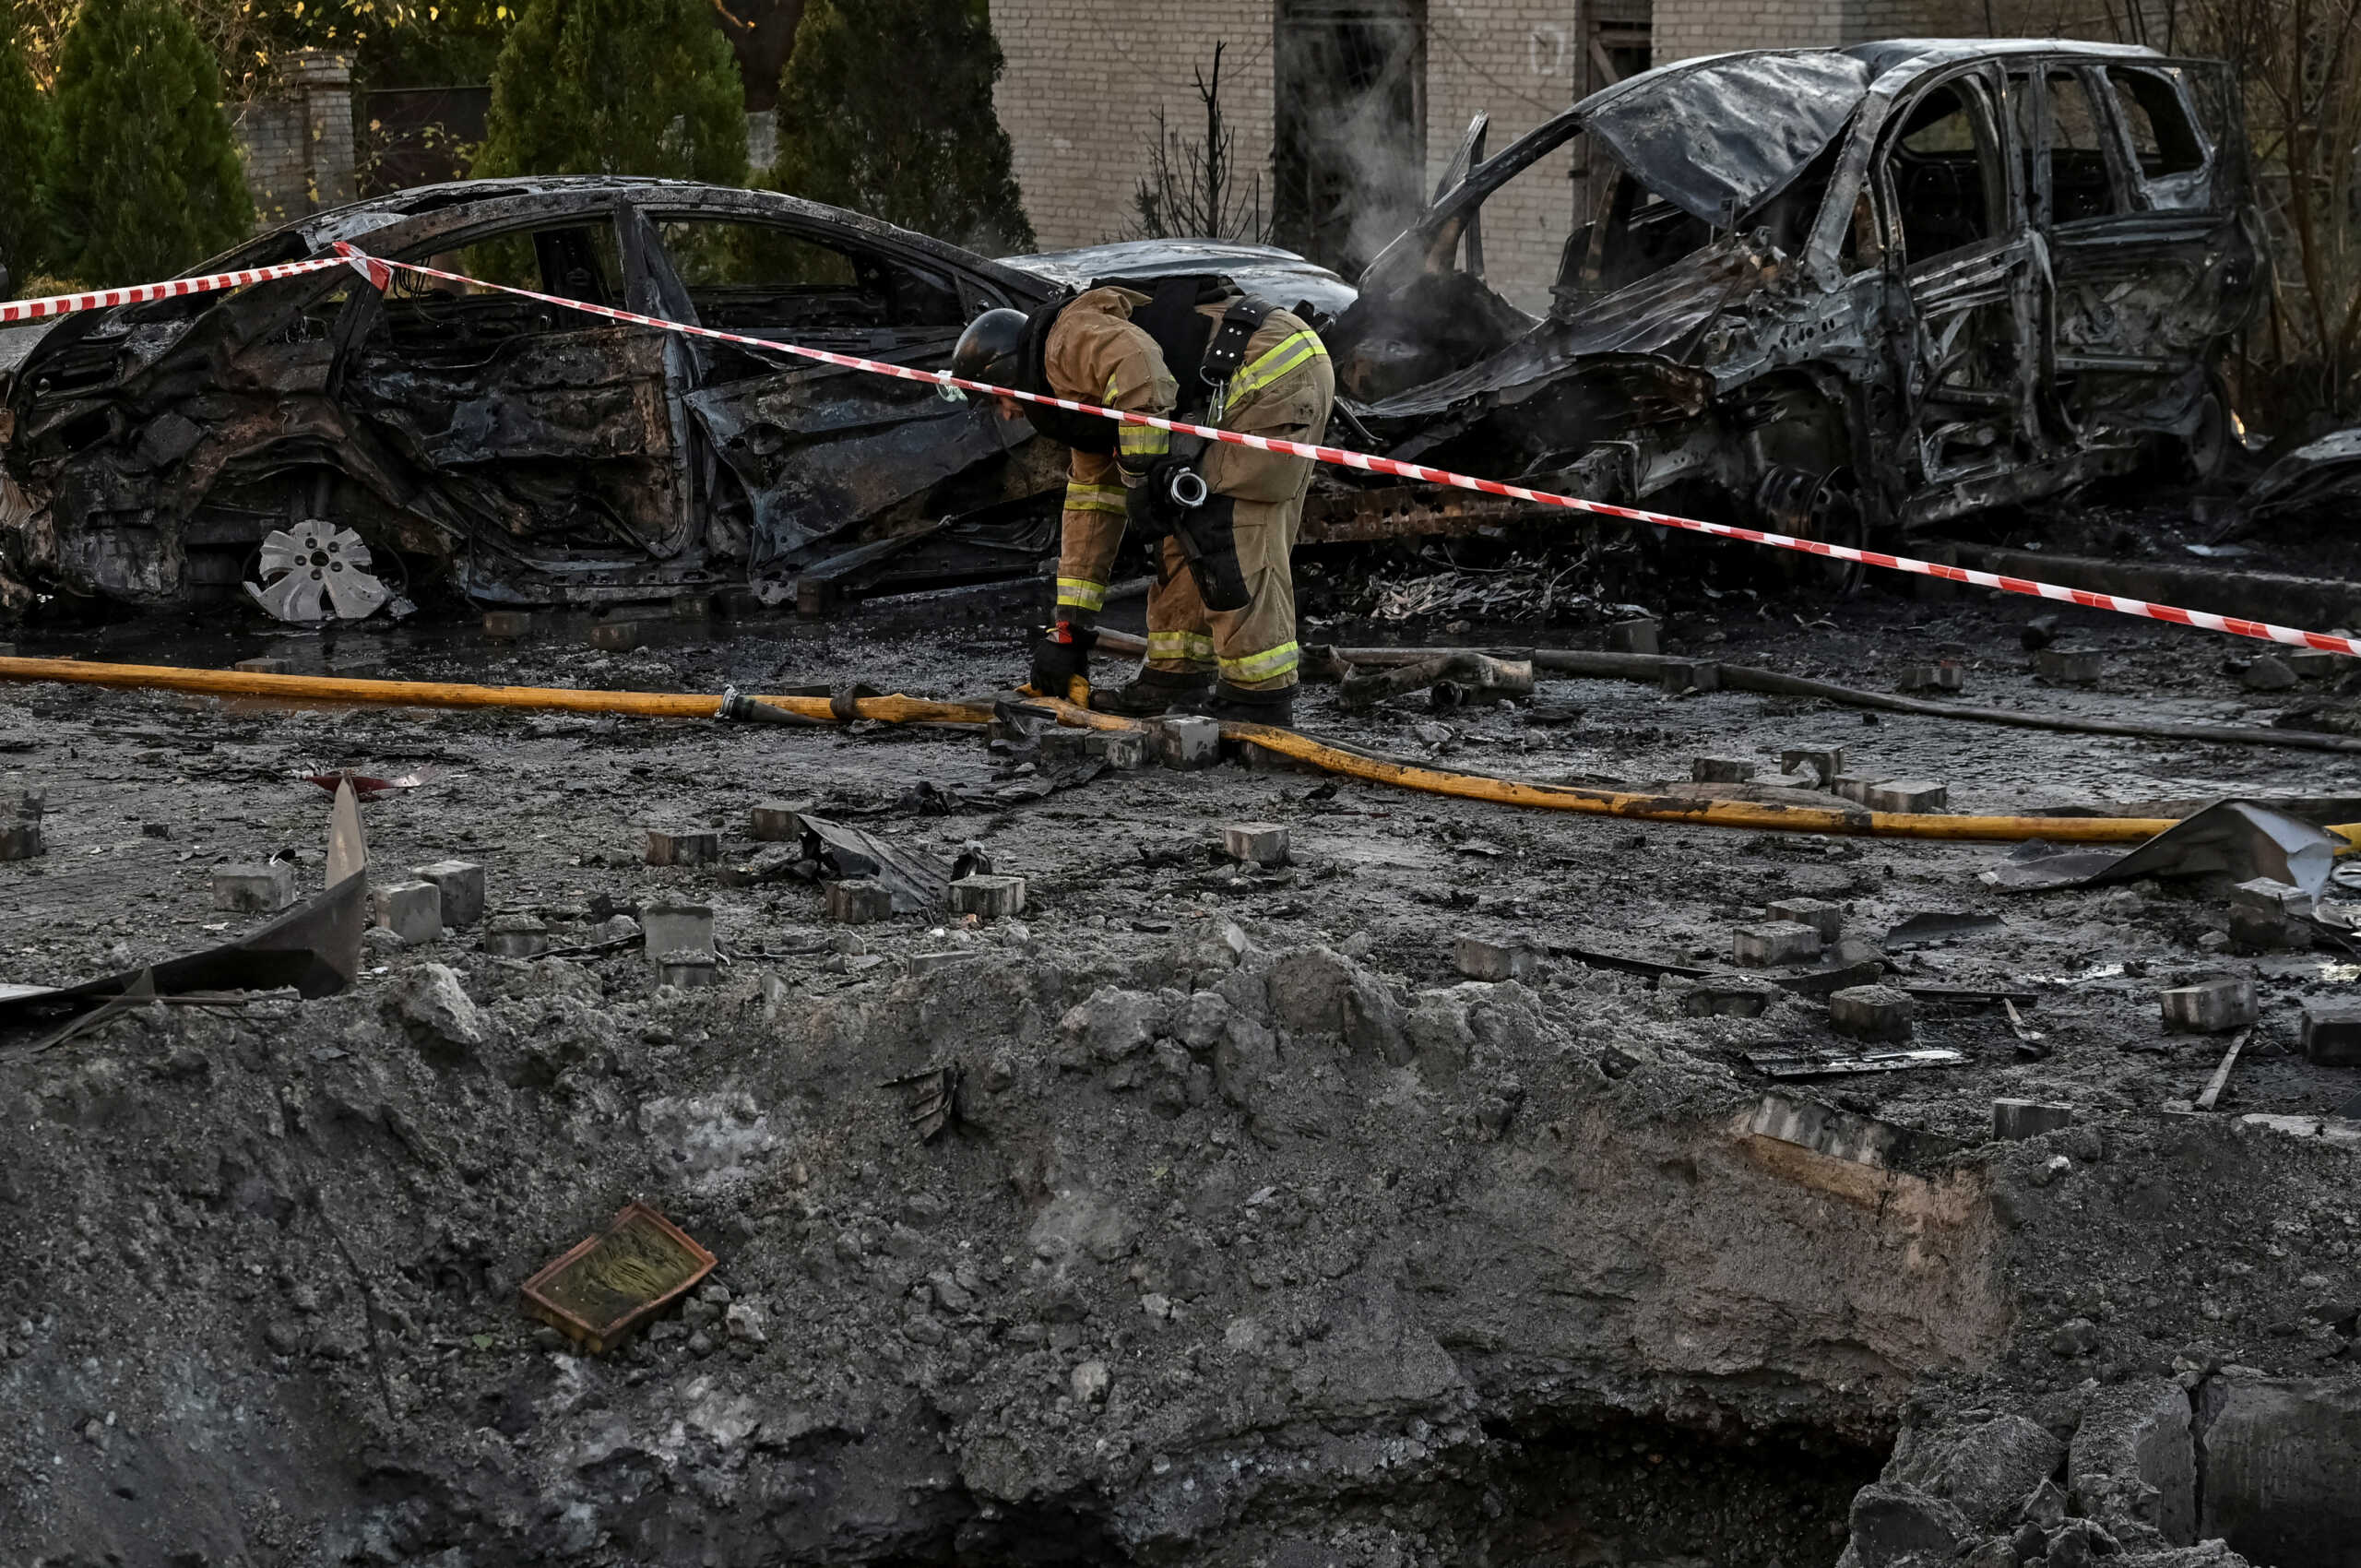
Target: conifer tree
<point x="27" y="132"/>
<point x="617" y="87"/>
<point x="146" y="180"/>
<point x="886" y="108"/>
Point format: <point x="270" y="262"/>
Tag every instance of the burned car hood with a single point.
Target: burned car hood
<point x="1664" y="315"/>
<point x="1718" y="137"/>
<point x="1278" y="275"/>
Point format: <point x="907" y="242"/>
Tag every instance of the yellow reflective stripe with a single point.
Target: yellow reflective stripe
<point x="1095" y="498"/>
<point x="1193" y="647"/>
<point x="1142" y="441"/>
<point x="1081" y="593"/>
<point x="1263" y="666"/>
<point x="1292" y="352"/>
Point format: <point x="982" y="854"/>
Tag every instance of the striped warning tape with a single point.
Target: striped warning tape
<point x="140" y="293"/>
<point x="378" y="270"/>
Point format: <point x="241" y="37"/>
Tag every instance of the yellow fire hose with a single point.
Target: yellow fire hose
<point x="1749" y="815"/>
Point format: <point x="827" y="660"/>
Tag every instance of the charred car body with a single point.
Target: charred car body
<point x="1838" y="291"/>
<point x="539" y="455"/>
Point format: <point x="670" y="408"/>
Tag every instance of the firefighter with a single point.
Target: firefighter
<point x="1219" y="520"/>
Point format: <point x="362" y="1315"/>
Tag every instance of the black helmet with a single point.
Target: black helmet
<point x="992" y="350"/>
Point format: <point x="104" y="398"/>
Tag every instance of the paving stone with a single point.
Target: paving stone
<point x="929" y="963"/>
<point x="507" y="625"/>
<point x="2266" y="673"/>
<point x="2332" y="1034"/>
<point x="1117" y="748"/>
<point x="1856" y="787"/>
<point x="2263" y="931"/>
<point x="21" y="840"/>
<point x="461" y="883"/>
<point x="1263" y="843"/>
<point x="1722" y="999"/>
<point x="1721" y="770"/>
<point x="988" y="896"/>
<point x="2209" y="1006"/>
<point x="618" y="637"/>
<point x="2272" y="896"/>
<point x="254" y="889"/>
<point x="1635" y="636"/>
<point x="1818" y="913"/>
<point x="515" y="936"/>
<point x="1826" y="761"/>
<point x="687" y="970"/>
<point x="1872" y="1012"/>
<point x="1943" y="675"/>
<point x="2014" y="1120"/>
<point x="860" y="900"/>
<point x="683" y="846"/>
<point x="2316" y="663"/>
<point x="1185" y="741"/>
<point x="1906" y="795"/>
<point x="1480" y="959"/>
<point x="668" y="929"/>
<point x="1778" y="942"/>
<point x="1684" y="675"/>
<point x="2068" y="666"/>
<point x="777" y="822"/>
<point x="412" y="910"/>
<point x="2038" y="633"/>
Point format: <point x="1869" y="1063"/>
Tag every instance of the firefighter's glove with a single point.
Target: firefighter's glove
<point x="1063" y="653"/>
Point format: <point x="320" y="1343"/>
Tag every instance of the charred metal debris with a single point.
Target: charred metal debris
<point x="1843" y="293"/>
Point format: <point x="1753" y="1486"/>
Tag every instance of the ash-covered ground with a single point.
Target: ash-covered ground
<point x="1264" y="1236"/>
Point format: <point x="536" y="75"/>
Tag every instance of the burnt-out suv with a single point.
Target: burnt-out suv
<point x="1839" y="291"/>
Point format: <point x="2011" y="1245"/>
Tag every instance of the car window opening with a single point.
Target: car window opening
<point x="1943" y="174"/>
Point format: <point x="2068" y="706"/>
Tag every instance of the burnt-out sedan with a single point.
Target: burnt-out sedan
<point x="1836" y="292"/>
<point x="275" y="436"/>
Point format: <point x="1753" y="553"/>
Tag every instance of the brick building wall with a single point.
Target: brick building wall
<point x="297" y="143"/>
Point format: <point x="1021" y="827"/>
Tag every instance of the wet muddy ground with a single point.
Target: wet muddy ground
<point x="1403" y="1303"/>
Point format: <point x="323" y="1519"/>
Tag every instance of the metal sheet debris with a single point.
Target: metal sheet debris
<point x="931" y="1096"/>
<point x="917" y="880"/>
<point x="1799" y="1065"/>
<point x="2229" y="842"/>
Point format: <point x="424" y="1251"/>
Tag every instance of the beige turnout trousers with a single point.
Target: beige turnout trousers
<point x="1284" y="388"/>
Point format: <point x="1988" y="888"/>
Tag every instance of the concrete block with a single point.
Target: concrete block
<point x="21" y="840"/>
<point x="1855" y="787"/>
<point x="1116" y="748"/>
<point x="1906" y="795"/>
<point x="776" y="822"/>
<point x="2209" y="1006"/>
<point x="1872" y="1012"/>
<point x="254" y="889"/>
<point x="30" y="804"/>
<point x="1721" y="770"/>
<point x="412" y="910"/>
<point x="1264" y="843"/>
<point x="929" y="963"/>
<point x="461" y="883"/>
<point x="2133" y="1458"/>
<point x="262" y="666"/>
<point x="1823" y="917"/>
<point x="1720" y="999"/>
<point x="692" y="606"/>
<point x="1777" y="942"/>
<point x="862" y="901"/>
<point x="2260" y="931"/>
<point x="1684" y="675"/>
<point x="2015" y="1120"/>
<point x="668" y="929"/>
<point x="619" y="636"/>
<point x="507" y="625"/>
<point x="2279" y="1457"/>
<point x="2068" y="666"/>
<point x="988" y="897"/>
<point x="1826" y="761"/>
<point x="2271" y="896"/>
<point x="515" y="936"/>
<point x="1943" y="675"/>
<point x="2332" y="1034"/>
<point x="683" y="846"/>
<point x="155" y="830"/>
<point x="1480" y="959"/>
<point x="2317" y="664"/>
<point x="1635" y="636"/>
<point x="688" y="971"/>
<point x="1185" y="741"/>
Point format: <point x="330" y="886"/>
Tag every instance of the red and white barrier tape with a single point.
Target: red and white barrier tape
<point x="379" y="271"/>
<point x="140" y="293"/>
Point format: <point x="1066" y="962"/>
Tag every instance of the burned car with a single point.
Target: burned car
<point x="323" y="444"/>
<point x="1838" y="292"/>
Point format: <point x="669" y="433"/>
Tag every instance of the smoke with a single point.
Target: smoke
<point x="1350" y="147"/>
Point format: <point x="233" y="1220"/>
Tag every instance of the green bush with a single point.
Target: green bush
<point x="616" y="87"/>
<point x="147" y="177"/>
<point x="886" y="108"/>
<point x="28" y="132"/>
